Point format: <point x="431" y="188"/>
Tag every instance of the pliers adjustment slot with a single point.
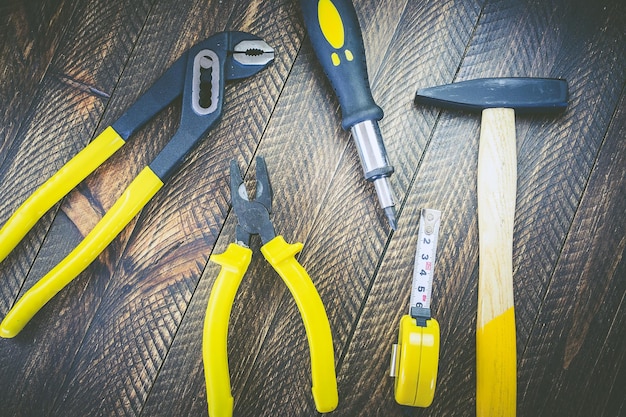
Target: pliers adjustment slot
<point x="206" y="79"/>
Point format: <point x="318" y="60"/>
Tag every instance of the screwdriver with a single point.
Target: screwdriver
<point x="335" y="34"/>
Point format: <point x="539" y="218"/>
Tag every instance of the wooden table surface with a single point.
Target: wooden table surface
<point x="125" y="337"/>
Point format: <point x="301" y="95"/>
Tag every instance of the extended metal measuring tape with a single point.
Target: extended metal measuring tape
<point x="415" y="358"/>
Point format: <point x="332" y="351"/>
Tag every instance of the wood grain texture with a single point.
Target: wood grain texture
<point x="125" y="337"/>
<point x="147" y="307"/>
<point x="464" y="404"/>
<point x="363" y="375"/>
<point x="496" y="192"/>
<point x="30" y="37"/>
<point x="496" y="189"/>
<point x="579" y="328"/>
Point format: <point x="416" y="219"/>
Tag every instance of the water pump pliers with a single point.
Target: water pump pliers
<point x="254" y="219"/>
<point x="199" y="76"/>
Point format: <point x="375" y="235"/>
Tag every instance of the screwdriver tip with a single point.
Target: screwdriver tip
<point x="391" y="217"/>
<point x="386" y="200"/>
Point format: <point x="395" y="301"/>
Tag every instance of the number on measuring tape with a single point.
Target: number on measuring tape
<point x="425" y="255"/>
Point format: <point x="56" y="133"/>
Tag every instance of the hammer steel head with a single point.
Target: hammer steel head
<point x="525" y="95"/>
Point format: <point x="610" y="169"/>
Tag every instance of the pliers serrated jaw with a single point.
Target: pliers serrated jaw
<point x="249" y="55"/>
<point x="253" y="217"/>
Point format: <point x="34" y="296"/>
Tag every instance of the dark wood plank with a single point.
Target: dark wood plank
<point x="125" y="338"/>
<point x="278" y="381"/>
<point x="273" y="376"/>
<point x="286" y="33"/>
<point x="293" y="169"/>
<point x="30" y="36"/>
<point x="572" y="140"/>
<point x="574" y="361"/>
<point x="348" y="238"/>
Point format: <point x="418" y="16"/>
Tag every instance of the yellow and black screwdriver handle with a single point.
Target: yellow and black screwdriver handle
<point x="335" y="34"/>
<point x="234" y="262"/>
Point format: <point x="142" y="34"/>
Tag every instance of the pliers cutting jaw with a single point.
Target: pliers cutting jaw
<point x="199" y="75"/>
<point x="253" y="216"/>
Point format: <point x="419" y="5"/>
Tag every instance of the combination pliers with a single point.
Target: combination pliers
<point x="254" y="219"/>
<point x="199" y="76"/>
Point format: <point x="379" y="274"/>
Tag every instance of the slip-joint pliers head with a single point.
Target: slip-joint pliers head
<point x="253" y="216"/>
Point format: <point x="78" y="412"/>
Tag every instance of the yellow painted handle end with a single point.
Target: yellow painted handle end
<point x="138" y="193"/>
<point x="281" y="255"/>
<point x="417" y="362"/>
<point x="55" y="188"/>
<point x="234" y="262"/>
<point x="496" y="366"/>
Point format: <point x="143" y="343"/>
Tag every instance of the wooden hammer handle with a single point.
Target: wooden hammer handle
<point x="495" y="334"/>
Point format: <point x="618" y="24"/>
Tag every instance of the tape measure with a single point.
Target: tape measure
<point x="415" y="358"/>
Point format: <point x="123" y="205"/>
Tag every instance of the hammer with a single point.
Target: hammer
<point x="498" y="99"/>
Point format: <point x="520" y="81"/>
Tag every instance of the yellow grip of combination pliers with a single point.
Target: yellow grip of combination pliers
<point x="281" y="255"/>
<point x="61" y="183"/>
<point x="138" y="193"/>
<point x="234" y="263"/>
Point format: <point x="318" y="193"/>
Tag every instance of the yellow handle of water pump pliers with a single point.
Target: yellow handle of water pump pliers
<point x="281" y="255"/>
<point x="55" y="188"/>
<point x="138" y="193"/>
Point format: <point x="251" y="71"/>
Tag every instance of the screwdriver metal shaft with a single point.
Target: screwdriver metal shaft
<point x="376" y="167"/>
